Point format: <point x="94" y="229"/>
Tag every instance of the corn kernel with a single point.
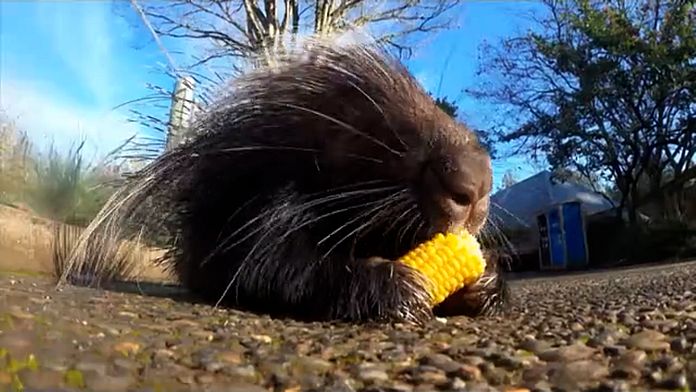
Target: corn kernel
<point x="448" y="261"/>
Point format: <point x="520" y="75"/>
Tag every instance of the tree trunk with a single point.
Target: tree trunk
<point x="632" y="206"/>
<point x="623" y="184"/>
<point x="674" y="202"/>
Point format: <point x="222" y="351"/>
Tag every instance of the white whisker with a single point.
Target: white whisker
<point x="394" y="132"/>
<point x="290" y="148"/>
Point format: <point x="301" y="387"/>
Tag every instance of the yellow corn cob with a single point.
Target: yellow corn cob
<point x="448" y="261"/>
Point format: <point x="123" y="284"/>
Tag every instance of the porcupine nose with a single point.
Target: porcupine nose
<point x="460" y="181"/>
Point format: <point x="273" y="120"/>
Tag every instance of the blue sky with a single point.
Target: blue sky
<point x="64" y="66"/>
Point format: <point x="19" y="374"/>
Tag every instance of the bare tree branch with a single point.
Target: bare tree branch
<point x="241" y="29"/>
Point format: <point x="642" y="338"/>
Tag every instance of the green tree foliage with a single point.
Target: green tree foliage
<point x="606" y="89"/>
<point x="452" y="109"/>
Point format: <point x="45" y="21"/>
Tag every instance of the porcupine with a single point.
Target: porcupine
<point x="303" y="184"/>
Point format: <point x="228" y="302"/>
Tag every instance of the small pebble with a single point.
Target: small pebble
<point x="570" y="353"/>
<point x="469" y="373"/>
<point x="440" y="361"/>
<point x="576" y="375"/>
<point x="472" y="360"/>
<point x="457" y="384"/>
<point x="87" y="366"/>
<point x="246" y="373"/>
<point x="43" y="379"/>
<point x="187" y="378"/>
<point x="679" y="345"/>
<point x="127" y="348"/>
<point x="205" y="378"/>
<point x="678" y="382"/>
<point x="308" y="364"/>
<point x="426" y="375"/>
<point x="372" y="375"/>
<point x="535" y="373"/>
<point x="126" y="364"/>
<point x="230" y="357"/>
<point x="262" y="338"/>
<point x="648" y="340"/>
<point x="106" y="383"/>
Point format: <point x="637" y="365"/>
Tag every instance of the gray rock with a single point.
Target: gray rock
<point x="456" y="384"/>
<point x="311" y="365"/>
<point x="468" y="373"/>
<point x="371" y="373"/>
<point x="613" y="350"/>
<point x="629" y="365"/>
<point x="93" y="365"/>
<point x="495" y="376"/>
<point x="342" y="385"/>
<point x="126" y="365"/>
<point x="186" y="378"/>
<point x="614" y="386"/>
<point x="440" y="361"/>
<point x="604" y="338"/>
<point x="648" y="340"/>
<point x="43" y="379"/>
<point x="246" y="373"/>
<point x="472" y="360"/>
<point x="18" y="343"/>
<point x="236" y="386"/>
<point x="535" y="373"/>
<point x="205" y="378"/>
<point x="570" y="353"/>
<point x="541" y="386"/>
<point x="633" y="358"/>
<point x="679" y="345"/>
<point x="668" y="364"/>
<point x="105" y="383"/>
<point x="677" y="382"/>
<point x="510" y="362"/>
<point x="430" y="375"/>
<point x="573" y="375"/>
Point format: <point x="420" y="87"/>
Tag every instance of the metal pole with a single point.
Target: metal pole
<point x="180" y="112"/>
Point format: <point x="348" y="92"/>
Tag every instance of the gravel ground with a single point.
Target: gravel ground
<point x="618" y="331"/>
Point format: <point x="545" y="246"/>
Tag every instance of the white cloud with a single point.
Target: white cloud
<point x="47" y="116"/>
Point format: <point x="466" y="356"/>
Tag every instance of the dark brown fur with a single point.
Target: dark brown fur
<point x="302" y="187"/>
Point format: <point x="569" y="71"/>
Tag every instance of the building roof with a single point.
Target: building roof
<point x="517" y="206"/>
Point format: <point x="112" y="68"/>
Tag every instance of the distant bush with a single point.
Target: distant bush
<point x="613" y="242"/>
<point x="57" y="185"/>
<point x="15" y="164"/>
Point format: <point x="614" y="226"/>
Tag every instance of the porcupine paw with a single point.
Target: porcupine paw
<point x="487" y="297"/>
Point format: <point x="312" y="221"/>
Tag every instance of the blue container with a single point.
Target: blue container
<point x="574" y="235"/>
<point x="562" y="237"/>
<point x="556" y="239"/>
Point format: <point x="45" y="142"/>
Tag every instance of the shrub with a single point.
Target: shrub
<point x="58" y="185"/>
